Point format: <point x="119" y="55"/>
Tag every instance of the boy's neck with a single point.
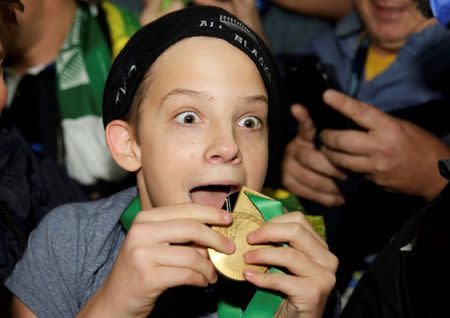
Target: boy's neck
<point x="39" y="42"/>
<point x="142" y="191"/>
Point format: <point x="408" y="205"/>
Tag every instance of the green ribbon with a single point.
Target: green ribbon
<point x="264" y="304"/>
<point x="130" y="213"/>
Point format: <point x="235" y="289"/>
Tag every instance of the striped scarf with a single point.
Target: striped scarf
<point x="82" y="68"/>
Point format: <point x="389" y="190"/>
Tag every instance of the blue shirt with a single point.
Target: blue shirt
<point x="399" y="86"/>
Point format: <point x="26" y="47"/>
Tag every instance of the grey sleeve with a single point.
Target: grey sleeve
<point x="47" y="276"/>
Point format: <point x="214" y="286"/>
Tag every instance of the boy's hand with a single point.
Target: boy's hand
<point x="306" y="171"/>
<point x="309" y="266"/>
<point x="393" y="153"/>
<point x="158" y="253"/>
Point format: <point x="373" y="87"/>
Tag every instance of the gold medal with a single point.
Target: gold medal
<point x="246" y="219"/>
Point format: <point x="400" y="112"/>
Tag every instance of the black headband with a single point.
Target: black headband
<point x="153" y="39"/>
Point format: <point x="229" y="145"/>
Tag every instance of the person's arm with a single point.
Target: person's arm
<point x="164" y="248"/>
<point x="19" y="310"/>
<point x="393" y="153"/>
<point x="333" y="9"/>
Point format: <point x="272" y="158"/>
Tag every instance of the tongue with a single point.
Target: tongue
<point x="210" y="198"/>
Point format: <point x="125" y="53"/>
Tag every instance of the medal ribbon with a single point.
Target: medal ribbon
<point x="264" y="304"/>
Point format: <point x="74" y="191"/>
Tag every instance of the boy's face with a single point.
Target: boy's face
<point x="203" y="125"/>
<point x="390" y="22"/>
<point x="3" y="92"/>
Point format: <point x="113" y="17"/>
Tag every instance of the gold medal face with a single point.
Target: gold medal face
<point x="246" y="219"/>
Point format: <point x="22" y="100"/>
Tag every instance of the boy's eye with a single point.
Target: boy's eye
<point x="250" y="122"/>
<point x="187" y="118"/>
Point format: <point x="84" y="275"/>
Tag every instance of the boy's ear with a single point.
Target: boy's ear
<point x="123" y="146"/>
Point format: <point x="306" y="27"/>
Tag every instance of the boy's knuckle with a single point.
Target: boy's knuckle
<point x="314" y="295"/>
<point x="296" y="229"/>
<point x="333" y="263"/>
<point x="298" y="217"/>
<point x="194" y="278"/>
<point x="195" y="258"/>
<point x="290" y="256"/>
<point x="330" y="279"/>
<point x="138" y="258"/>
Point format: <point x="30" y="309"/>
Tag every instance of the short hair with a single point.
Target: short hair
<point x="134" y="114"/>
<point x="7" y="10"/>
<point x="424" y="7"/>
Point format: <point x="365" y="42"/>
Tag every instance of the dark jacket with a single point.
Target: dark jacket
<point x="410" y="276"/>
<point x="25" y="195"/>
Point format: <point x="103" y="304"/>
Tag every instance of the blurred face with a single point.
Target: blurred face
<point x="390" y="22"/>
<point x="203" y="125"/>
<point x="3" y="92"/>
<point x="20" y="37"/>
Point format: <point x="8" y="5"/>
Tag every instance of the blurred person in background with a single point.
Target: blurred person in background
<point x="24" y="197"/>
<point x="31" y="182"/>
<point x="410" y="276"/>
<point x="55" y="69"/>
<point x="285" y="24"/>
<point x="369" y="179"/>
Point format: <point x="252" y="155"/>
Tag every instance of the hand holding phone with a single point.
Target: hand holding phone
<point x="305" y="81"/>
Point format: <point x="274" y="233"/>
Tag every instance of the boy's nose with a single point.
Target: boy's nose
<point x="223" y="148"/>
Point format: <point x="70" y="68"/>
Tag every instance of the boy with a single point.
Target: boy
<point x="186" y="109"/>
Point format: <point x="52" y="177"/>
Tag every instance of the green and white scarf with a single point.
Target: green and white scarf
<point x="82" y="68"/>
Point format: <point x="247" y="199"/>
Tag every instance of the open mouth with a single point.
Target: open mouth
<point x="212" y="195"/>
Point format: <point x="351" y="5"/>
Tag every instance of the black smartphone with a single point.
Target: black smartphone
<point x="305" y="79"/>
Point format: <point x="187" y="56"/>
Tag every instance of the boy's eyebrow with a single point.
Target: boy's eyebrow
<point x="200" y="94"/>
<point x="256" y="98"/>
<point x="184" y="91"/>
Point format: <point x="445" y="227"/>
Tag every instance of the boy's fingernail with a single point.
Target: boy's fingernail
<point x="230" y="246"/>
<point x="250" y="237"/>
<point x="227" y="217"/>
<point x="249" y="275"/>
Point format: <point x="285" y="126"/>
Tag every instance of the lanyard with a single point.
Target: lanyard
<point x="264" y="304"/>
<point x="358" y="63"/>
